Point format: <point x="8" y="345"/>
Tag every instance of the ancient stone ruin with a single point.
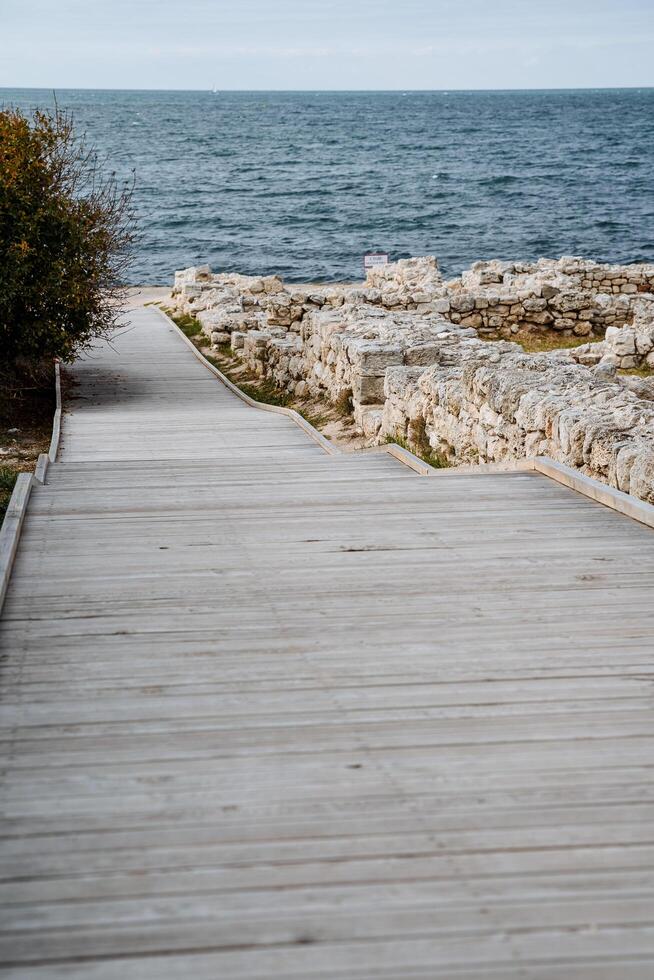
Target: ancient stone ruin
<point x="431" y="362"/>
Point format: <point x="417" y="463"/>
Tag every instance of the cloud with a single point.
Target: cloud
<point x="327" y="43"/>
<point x="470" y="46"/>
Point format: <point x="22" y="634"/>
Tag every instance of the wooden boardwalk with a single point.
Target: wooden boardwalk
<point x="269" y="713"/>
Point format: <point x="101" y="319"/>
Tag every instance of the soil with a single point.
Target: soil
<point x="26" y="413"/>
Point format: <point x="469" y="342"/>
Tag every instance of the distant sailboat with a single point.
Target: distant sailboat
<point x="214" y="90"/>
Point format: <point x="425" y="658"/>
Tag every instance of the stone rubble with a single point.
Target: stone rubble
<point x="630" y="346"/>
<point x="492" y="402"/>
<point x="571" y="295"/>
<point x="413" y="356"/>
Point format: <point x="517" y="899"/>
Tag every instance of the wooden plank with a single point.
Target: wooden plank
<point x="269" y="712"/>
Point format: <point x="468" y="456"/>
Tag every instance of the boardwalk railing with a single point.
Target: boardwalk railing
<point x="13" y="522"/>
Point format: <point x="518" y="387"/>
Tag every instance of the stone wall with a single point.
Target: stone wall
<point x="631" y="346"/>
<point x="404" y="349"/>
<point x="570" y="295"/>
<point x="410" y="284"/>
<point x="485" y="402"/>
<point x="332" y="341"/>
<point x="345" y="352"/>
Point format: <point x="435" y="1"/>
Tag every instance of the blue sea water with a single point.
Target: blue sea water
<point x="303" y="183"/>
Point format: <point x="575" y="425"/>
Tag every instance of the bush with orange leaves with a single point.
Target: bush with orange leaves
<point x="65" y="236"/>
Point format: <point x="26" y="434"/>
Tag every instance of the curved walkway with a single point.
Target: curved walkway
<point x="269" y="713"/>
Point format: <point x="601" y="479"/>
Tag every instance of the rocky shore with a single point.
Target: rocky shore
<point x="432" y="362"/>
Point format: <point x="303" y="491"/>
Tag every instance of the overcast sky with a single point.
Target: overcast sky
<point x="326" y="44"/>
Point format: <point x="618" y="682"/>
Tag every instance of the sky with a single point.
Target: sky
<point x="326" y="44"/>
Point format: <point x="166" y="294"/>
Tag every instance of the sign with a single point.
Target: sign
<point x="372" y="259"/>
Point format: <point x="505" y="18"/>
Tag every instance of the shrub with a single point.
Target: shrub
<point x="65" y="233"/>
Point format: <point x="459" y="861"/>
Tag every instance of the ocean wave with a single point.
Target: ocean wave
<point x="304" y="184"/>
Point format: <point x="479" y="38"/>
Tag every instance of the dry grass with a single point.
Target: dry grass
<point x="427" y="455"/>
<point x="26" y="411"/>
<point x="543" y="342"/>
<point x="644" y="371"/>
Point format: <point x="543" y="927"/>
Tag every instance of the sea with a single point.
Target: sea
<point x="304" y="183"/>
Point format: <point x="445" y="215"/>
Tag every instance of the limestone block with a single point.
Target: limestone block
<point x="472" y="320"/>
<point x="272" y="284"/>
<point x="641" y="482"/>
<point x="589" y="354"/>
<point x="367" y="389"/>
<point x="488" y="417"/>
<point x="535" y="305"/>
<point x="370" y="421"/>
<point x="543" y="319"/>
<point x="256" y="341"/>
<point x="462" y="303"/>
<point x="421" y="354"/>
<point x="532" y="443"/>
<point x="372" y="359"/>
<point x="621" y="340"/>
<point x="644" y="339"/>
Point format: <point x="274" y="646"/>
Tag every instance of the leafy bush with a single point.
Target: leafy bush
<point x="65" y="233"/>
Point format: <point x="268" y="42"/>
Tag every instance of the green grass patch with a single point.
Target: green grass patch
<point x="7" y="480"/>
<point x="264" y="391"/>
<point x="427" y="455"/>
<point x="186" y="323"/>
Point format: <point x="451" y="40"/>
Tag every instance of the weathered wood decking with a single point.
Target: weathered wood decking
<point x="273" y="714"/>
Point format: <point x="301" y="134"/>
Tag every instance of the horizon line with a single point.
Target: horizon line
<point x="305" y="91"/>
